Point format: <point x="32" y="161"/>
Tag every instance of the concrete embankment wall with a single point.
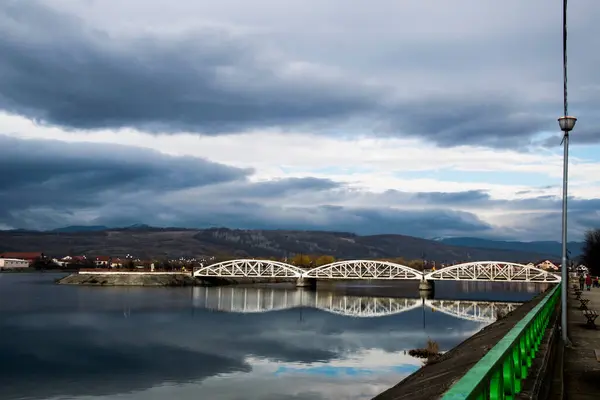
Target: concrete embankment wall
<point x="129" y="279"/>
<point x="159" y="278"/>
<point x="434" y="379"/>
<point x="188" y="273"/>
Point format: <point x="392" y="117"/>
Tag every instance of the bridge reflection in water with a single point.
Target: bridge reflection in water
<point x="487" y="287"/>
<point x="261" y="300"/>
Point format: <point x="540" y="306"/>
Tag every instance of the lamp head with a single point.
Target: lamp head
<point x="567" y="123"/>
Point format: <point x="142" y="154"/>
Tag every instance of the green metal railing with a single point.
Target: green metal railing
<point x="499" y="374"/>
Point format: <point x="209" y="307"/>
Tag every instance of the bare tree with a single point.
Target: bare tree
<point x="591" y="251"/>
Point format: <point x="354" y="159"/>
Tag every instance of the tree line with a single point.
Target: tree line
<point x="591" y="251"/>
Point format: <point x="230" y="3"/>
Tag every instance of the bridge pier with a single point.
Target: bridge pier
<point x="426" y="294"/>
<point x="426" y="286"/>
<point x="306" y="282"/>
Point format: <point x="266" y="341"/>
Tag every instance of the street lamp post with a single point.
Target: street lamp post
<point x="566" y="123"/>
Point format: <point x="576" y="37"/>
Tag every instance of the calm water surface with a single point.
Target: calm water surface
<point x="69" y="342"/>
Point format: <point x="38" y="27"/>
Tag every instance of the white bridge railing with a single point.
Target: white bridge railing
<point x="378" y="270"/>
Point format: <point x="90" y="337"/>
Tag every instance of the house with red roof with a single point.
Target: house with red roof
<point x="30" y="257"/>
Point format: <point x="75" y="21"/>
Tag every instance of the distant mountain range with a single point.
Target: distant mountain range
<point x="146" y="241"/>
<point x="542" y="247"/>
<point x="81" y="228"/>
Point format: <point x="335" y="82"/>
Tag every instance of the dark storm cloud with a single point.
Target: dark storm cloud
<point x="56" y="165"/>
<point x="68" y="176"/>
<point x="362" y="220"/>
<point x="583" y="134"/>
<point x="586" y="135"/>
<point x="49" y="184"/>
<point x="470" y="196"/>
<point x="552" y="204"/>
<point x="43" y="181"/>
<point x="59" y="71"/>
<point x="491" y="121"/>
<point x="282" y="187"/>
<point x="410" y="222"/>
<point x="540" y="216"/>
<point x="55" y="69"/>
<point x="481" y="199"/>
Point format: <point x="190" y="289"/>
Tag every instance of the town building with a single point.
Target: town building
<point x="70" y="260"/>
<point x="29" y="256"/>
<point x="13" y="263"/>
<point x="103" y="261"/>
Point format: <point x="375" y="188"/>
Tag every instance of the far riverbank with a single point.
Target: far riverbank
<point x="37" y="271"/>
<point x="173" y="279"/>
<point x="127" y="278"/>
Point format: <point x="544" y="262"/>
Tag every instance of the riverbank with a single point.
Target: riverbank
<point x="434" y="379"/>
<point x="115" y="278"/>
<point x="37" y="271"/>
<point x="174" y="279"/>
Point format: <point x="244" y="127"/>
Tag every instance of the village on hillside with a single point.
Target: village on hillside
<point x="41" y="261"/>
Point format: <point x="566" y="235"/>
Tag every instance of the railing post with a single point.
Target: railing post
<point x="523" y="358"/>
<point x="509" y="378"/>
<point x="516" y="360"/>
<point x="497" y="386"/>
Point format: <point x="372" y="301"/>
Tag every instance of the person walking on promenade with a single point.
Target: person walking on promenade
<point x="581" y="282"/>
<point x="588" y="282"/>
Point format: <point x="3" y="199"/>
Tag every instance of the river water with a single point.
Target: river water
<point x="272" y="343"/>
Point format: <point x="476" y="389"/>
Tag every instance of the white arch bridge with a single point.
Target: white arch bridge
<point x="261" y="300"/>
<point x="378" y="270"/>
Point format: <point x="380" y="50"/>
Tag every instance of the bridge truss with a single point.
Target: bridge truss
<point x="488" y="271"/>
<point x="250" y="269"/>
<point x="364" y="269"/>
<point x="493" y="271"/>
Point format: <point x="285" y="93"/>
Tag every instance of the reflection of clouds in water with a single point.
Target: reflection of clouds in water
<point x="362" y="362"/>
<point x="108" y="354"/>
<point x="76" y="361"/>
<point x="276" y="334"/>
<point x="77" y="341"/>
<point x="299" y="381"/>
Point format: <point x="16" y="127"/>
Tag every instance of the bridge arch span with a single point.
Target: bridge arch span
<point x="490" y="271"/>
<point x="364" y="269"/>
<point x="243" y="268"/>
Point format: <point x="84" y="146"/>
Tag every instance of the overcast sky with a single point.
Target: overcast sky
<point x="423" y="118"/>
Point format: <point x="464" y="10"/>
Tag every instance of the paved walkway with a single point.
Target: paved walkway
<point x="581" y="369"/>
